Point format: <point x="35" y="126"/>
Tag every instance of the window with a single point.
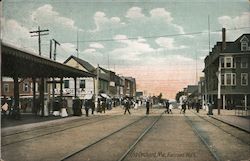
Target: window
<point x="25" y="87"/>
<point x="230" y="79"/>
<point x="222" y="79"/>
<point x="66" y="83"/>
<point x="244" y="63"/>
<point x="244" y="79"/>
<point x="6" y="88"/>
<point x="222" y="62"/>
<point x="228" y="62"/>
<point x="244" y="46"/>
<point x="233" y="79"/>
<point x="82" y="83"/>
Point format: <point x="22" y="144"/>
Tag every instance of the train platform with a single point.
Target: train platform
<point x="31" y="120"/>
<point x="229" y="117"/>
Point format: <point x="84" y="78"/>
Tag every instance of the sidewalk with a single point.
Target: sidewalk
<point x="30" y="120"/>
<point x="229" y="117"/>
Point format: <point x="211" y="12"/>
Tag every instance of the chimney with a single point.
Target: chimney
<point x="223" y="47"/>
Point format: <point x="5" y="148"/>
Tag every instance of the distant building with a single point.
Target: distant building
<point x="129" y="86"/>
<point x="109" y="84"/>
<point x="227" y="68"/>
<point x="202" y="91"/>
<point x="139" y="94"/>
<point x="25" y="87"/>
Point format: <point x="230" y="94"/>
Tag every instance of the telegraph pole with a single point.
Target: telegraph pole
<point x="53" y="79"/>
<point x="40" y="33"/>
<point x="56" y="43"/>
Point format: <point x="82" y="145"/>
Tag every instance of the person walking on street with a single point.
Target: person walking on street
<point x="197" y="106"/>
<point x="103" y="106"/>
<point x="92" y="105"/>
<point x="183" y="107"/>
<point x="147" y="107"/>
<point x="127" y="106"/>
<point x="170" y="108"/>
<point x="167" y="107"/>
<point x="87" y="106"/>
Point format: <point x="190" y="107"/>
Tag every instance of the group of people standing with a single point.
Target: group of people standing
<point x="128" y="103"/>
<point x="89" y="104"/>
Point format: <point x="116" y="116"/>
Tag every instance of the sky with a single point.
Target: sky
<point x="161" y="43"/>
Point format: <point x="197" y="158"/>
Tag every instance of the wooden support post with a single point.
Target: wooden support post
<point x="34" y="108"/>
<point x="61" y="91"/>
<point x="41" y="90"/>
<point x="16" y="98"/>
<point x="245" y="102"/>
<point x="75" y="87"/>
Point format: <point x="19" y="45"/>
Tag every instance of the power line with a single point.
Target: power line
<point x="156" y="36"/>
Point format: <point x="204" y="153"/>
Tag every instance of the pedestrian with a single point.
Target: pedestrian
<point x="5" y="106"/>
<point x="147" y="107"/>
<point x="103" y="106"/>
<point x="167" y="106"/>
<point x="87" y="106"/>
<point x="92" y="105"/>
<point x="170" y="108"/>
<point x="197" y="106"/>
<point x="127" y="106"/>
<point x="183" y="107"/>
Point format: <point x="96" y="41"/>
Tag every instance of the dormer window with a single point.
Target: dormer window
<point x="244" y="43"/>
<point x="244" y="46"/>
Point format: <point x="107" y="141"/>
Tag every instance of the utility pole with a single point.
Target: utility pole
<point x="55" y="43"/>
<point x="53" y="79"/>
<point x="39" y="34"/>
<point x="97" y="86"/>
<point x="50" y="49"/>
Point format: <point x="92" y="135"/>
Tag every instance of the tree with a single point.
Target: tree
<point x="178" y="95"/>
<point x="160" y="96"/>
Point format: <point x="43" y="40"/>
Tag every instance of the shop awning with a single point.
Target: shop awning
<point x="88" y="96"/>
<point x="104" y="95"/>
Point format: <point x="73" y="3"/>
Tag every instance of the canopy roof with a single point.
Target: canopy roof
<point x="24" y="64"/>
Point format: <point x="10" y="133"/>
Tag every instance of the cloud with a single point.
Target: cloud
<point x="235" y="22"/>
<point x="168" y="43"/>
<point x="102" y="21"/>
<point x="240" y="21"/>
<point x="46" y="15"/>
<point x="135" y="13"/>
<point x="89" y="51"/>
<point x="69" y="47"/>
<point x="15" y="33"/>
<point x="159" y="17"/>
<point x="162" y="14"/>
<point x="132" y="48"/>
<point x="96" y="45"/>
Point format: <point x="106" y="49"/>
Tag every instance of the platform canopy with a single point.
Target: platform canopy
<point x="25" y="64"/>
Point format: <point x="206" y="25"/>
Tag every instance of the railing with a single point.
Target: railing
<point x="242" y="111"/>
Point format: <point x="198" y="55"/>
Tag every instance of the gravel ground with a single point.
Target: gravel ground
<point x="170" y="139"/>
<point x="56" y="146"/>
<point x="116" y="145"/>
<point x="225" y="145"/>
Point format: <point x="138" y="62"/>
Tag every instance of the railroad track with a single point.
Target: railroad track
<point x="51" y="126"/>
<point x="203" y="140"/>
<point x="8" y="139"/>
<point x="75" y="154"/>
<point x="220" y="126"/>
